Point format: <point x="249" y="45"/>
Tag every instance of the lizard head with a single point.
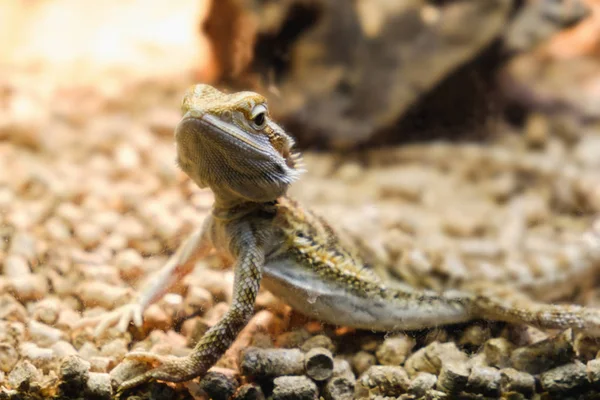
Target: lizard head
<point x="230" y="143"/>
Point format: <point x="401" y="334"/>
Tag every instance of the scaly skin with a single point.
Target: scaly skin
<point x="230" y="144"/>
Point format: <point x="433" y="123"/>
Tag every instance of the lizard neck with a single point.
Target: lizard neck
<point x="227" y="211"/>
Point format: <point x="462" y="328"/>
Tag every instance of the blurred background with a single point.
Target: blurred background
<point x="452" y="139"/>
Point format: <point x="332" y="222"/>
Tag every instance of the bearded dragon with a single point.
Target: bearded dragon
<point x="230" y="143"/>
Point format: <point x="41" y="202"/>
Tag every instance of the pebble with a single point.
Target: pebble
<point x="11" y="309"/>
<point x="44" y="335"/>
<point x="261" y="363"/>
<point x="383" y="380"/>
<point x="219" y="384"/>
<point x="15" y="266"/>
<point x="564" y="379"/>
<point x="294" y="388"/>
<point x="128" y="261"/>
<point x="537" y="130"/>
<point x="362" y="361"/>
<point x="24" y="376"/>
<point x="318" y="364"/>
<point x="41" y="357"/>
<point x="249" y="391"/>
<point x="8" y="357"/>
<point x="116" y="348"/>
<point x="394" y="350"/>
<point x="587" y="150"/>
<point x="339" y="388"/>
<point x="74" y="374"/>
<point x="98" y="386"/>
<point x="46" y="311"/>
<point x="512" y="380"/>
<point x="544" y="355"/>
<point x="497" y="352"/>
<point x="197" y="301"/>
<point x="453" y="377"/>
<point x="101" y="364"/>
<point x="62" y="349"/>
<point x="88" y="350"/>
<point x="127" y="158"/>
<point x="593" y="372"/>
<point x="102" y="294"/>
<point x="474" y="336"/>
<point x="484" y="380"/>
<point x="318" y="341"/>
<point x="422" y="383"/>
<point x="432" y="357"/>
<point x="23" y="244"/>
<point x="29" y="287"/>
<point x="88" y="234"/>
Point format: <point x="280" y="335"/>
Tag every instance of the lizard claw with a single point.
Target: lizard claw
<point x="121" y="317"/>
<point x="135" y="370"/>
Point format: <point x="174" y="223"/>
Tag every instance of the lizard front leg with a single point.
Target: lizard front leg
<point x="195" y="247"/>
<point x="247" y="277"/>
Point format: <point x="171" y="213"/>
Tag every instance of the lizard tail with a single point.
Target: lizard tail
<point x="503" y="303"/>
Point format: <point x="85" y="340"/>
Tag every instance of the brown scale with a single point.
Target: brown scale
<point x="315" y="244"/>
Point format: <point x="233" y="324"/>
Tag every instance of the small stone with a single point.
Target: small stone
<point x="197" y="301"/>
<point x="101" y="364"/>
<point x="44" y="335"/>
<point x="294" y="388"/>
<point x="249" y="391"/>
<point x="383" y="380"/>
<point x="116" y="348"/>
<point x="564" y="379"/>
<point x="586" y="347"/>
<point x="127" y="158"/>
<point x="130" y="263"/>
<point x="421" y="384"/>
<point x="474" y="336"/>
<point x="98" y="386"/>
<point x="88" y="350"/>
<point x="24" y="376"/>
<point x="74" y="374"/>
<point x="339" y="388"/>
<point x="219" y="385"/>
<point x="62" y="349"/>
<point x="341" y="367"/>
<point x="15" y="265"/>
<point x="453" y="377"/>
<point x="484" y="380"/>
<point x="318" y="341"/>
<point x="430" y="358"/>
<point x="89" y="234"/>
<point x="593" y="372"/>
<point x="47" y="311"/>
<point x="497" y="352"/>
<point x="40" y="357"/>
<point x="587" y="150"/>
<point x="537" y="129"/>
<point x="394" y="350"/>
<point x="293" y="339"/>
<point x="318" y="363"/>
<point x="263" y="363"/>
<point x="512" y="380"/>
<point x="23" y="244"/>
<point x="8" y="357"/>
<point x="362" y="361"/>
<point x="544" y="355"/>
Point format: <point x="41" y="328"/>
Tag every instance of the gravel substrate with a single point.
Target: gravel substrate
<point x="91" y="202"/>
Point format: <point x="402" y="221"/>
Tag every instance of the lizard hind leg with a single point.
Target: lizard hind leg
<point x="503" y="303"/>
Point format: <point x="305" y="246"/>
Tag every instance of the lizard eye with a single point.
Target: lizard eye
<point x="259" y="117"/>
